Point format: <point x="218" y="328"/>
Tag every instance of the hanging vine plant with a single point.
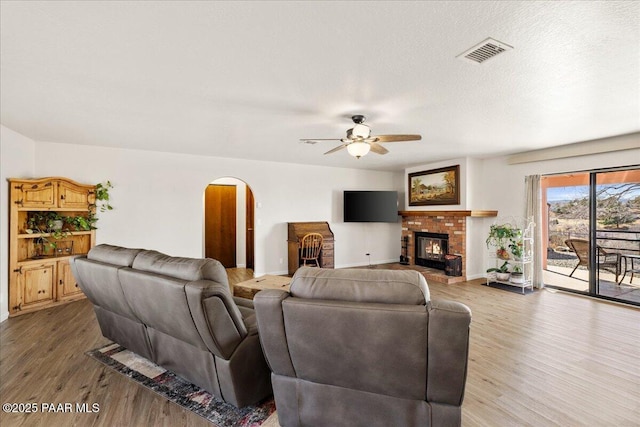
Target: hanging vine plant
<point x="102" y="196"/>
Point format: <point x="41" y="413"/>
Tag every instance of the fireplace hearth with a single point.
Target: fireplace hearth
<point x="430" y="249"/>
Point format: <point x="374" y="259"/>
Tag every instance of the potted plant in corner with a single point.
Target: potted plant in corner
<point x="502" y="272"/>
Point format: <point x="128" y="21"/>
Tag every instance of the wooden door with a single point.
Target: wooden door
<point x="250" y="234"/>
<point x="220" y="223"/>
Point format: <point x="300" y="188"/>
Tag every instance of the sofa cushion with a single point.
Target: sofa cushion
<point x="190" y="269"/>
<point x="114" y="255"/>
<point x="361" y="285"/>
<point x="160" y="303"/>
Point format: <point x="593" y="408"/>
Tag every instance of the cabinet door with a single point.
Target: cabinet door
<point x="67" y="285"/>
<point x="36" y="284"/>
<point x="42" y="194"/>
<point x="74" y="197"/>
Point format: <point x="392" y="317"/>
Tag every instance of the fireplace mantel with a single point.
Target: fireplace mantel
<point x="477" y="214"/>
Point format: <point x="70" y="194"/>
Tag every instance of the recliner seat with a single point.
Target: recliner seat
<point x="359" y="347"/>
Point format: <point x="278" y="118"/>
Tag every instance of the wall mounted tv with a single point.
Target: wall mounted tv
<point x="370" y="206"/>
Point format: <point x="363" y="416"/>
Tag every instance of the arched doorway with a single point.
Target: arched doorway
<point x="229" y="223"/>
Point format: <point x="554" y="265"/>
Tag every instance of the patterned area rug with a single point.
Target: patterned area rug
<point x="181" y="391"/>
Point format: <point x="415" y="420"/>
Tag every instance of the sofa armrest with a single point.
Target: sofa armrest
<point x="268" y="306"/>
<point x="243" y="302"/>
<point x="448" y="351"/>
<point x="216" y="317"/>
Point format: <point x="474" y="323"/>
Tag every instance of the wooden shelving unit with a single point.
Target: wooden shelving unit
<point x="523" y="263"/>
<point x="39" y="272"/>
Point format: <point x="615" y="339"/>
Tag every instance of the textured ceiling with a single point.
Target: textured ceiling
<point x="249" y="79"/>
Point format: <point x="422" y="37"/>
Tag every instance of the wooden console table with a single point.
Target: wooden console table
<point x="297" y="230"/>
<point x="249" y="288"/>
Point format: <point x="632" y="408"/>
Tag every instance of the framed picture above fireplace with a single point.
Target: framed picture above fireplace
<point x="435" y="187"/>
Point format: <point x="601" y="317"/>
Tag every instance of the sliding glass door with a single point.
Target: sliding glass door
<point x="617" y="234"/>
<point x="591" y="232"/>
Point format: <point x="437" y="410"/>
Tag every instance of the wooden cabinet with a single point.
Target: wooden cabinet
<point x="38" y="194"/>
<point x="35" y="284"/>
<point x="297" y="230"/>
<point x="40" y="274"/>
<point x="67" y="285"/>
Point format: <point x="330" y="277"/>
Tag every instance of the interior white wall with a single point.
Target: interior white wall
<point x="17" y="156"/>
<point x="158" y="201"/>
<point x="241" y="218"/>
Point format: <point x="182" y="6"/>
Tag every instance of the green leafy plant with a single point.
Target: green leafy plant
<point x="102" y="196"/>
<point x="515" y="243"/>
<point x="499" y="235"/>
<point x="504" y="268"/>
<point x="82" y="223"/>
<point x="503" y="236"/>
<point x="49" y="224"/>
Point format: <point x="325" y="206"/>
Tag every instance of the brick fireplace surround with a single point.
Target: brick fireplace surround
<point x="453" y="223"/>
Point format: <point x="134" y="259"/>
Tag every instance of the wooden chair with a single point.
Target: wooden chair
<point x="310" y="247"/>
<point x="605" y="260"/>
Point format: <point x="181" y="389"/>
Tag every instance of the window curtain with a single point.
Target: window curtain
<point x="533" y="212"/>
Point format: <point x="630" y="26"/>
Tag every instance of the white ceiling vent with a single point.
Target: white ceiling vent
<point x="484" y="51"/>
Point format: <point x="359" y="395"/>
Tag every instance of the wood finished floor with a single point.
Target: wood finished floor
<point x="546" y="359"/>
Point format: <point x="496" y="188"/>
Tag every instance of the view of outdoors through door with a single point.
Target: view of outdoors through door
<point x="591" y="232"/>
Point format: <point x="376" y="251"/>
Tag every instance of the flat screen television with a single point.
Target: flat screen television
<point x="370" y="206"/>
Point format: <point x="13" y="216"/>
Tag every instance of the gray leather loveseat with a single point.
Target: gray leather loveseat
<point x="179" y="313"/>
<point x="364" y="348"/>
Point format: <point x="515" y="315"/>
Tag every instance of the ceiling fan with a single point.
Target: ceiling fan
<point x="359" y="140"/>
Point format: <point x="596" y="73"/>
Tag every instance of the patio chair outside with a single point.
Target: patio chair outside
<point x="607" y="261"/>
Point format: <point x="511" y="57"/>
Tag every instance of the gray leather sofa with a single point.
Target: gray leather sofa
<point x="360" y="347"/>
<point x="179" y="313"/>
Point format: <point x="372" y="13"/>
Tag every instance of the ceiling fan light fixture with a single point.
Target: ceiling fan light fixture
<point x="358" y="149"/>
<point x="361" y="131"/>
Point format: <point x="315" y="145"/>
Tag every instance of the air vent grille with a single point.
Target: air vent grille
<point x="484" y="51"/>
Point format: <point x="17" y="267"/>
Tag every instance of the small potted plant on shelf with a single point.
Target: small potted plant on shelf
<point x="502" y="272"/>
<point x="517" y="276"/>
<point x="499" y="236"/>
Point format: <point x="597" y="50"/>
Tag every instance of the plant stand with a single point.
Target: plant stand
<point x="522" y="263"/>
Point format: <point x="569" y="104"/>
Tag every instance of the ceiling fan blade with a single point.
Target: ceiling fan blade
<point x="338" y="148"/>
<point x="312" y="140"/>
<point x="398" y="138"/>
<point x="377" y="148"/>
